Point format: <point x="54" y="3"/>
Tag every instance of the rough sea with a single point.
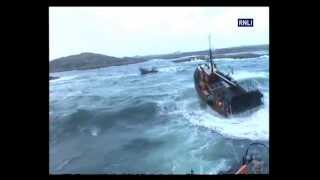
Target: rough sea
<point x="115" y="121"/>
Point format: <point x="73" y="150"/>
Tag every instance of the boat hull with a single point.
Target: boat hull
<point x="229" y="100"/>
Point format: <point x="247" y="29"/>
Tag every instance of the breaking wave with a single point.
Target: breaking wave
<point x="117" y="121"/>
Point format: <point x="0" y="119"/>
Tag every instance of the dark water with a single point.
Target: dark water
<point x="113" y="120"/>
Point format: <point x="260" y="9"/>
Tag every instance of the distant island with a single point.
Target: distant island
<point x="218" y="53"/>
<point x="87" y="60"/>
<point x="219" y="56"/>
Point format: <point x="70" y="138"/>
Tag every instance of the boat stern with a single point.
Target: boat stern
<point x="246" y="101"/>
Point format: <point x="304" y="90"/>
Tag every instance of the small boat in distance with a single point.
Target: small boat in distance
<point x="147" y="71"/>
<point x="221" y="92"/>
<point x="53" y="78"/>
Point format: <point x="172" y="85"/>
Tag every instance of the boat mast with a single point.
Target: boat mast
<point x="210" y="53"/>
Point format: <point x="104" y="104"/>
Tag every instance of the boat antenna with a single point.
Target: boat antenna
<point x="210" y="53"/>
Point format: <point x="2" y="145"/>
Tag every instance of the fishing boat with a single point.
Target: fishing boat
<point x="147" y="71"/>
<point x="221" y="92"/>
<point x="53" y="78"/>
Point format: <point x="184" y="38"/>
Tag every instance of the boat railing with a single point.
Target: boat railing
<point x="218" y="86"/>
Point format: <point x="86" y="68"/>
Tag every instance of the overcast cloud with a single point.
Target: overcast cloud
<point x="130" y="31"/>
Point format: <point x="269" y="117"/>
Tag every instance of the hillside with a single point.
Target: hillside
<point x="92" y="61"/>
<point x="89" y="61"/>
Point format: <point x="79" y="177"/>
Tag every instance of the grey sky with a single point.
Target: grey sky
<point x="130" y="31"/>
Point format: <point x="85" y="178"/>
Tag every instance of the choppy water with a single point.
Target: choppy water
<point x="113" y="120"/>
